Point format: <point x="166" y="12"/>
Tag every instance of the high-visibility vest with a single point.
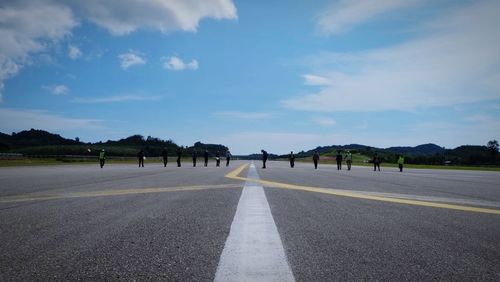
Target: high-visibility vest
<point x="101" y="155"/>
<point x="401" y="160"/>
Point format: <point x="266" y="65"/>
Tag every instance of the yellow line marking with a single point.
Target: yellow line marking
<point x="234" y="175"/>
<point x="117" y="192"/>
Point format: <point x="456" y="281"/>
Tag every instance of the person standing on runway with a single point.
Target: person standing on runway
<point x="205" y="156"/>
<point x="102" y="158"/>
<point x="376" y="162"/>
<point x="291" y="157"/>
<point x="316" y="159"/>
<point x="338" y="158"/>
<point x="164" y="154"/>
<point x="140" y="158"/>
<point x="228" y="157"/>
<point x="348" y="159"/>
<point x="179" y="156"/>
<point x="401" y="161"/>
<point x="217" y="159"/>
<point x="264" y="158"/>
<point x="195" y="156"/>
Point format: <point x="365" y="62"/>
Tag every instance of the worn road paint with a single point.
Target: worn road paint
<point x="358" y="194"/>
<point x="253" y="249"/>
<point x="115" y="192"/>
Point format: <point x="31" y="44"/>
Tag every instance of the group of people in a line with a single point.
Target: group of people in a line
<point x="141" y="156"/>
<point x="347" y="157"/>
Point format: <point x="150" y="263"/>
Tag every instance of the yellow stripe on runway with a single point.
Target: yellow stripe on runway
<point x="117" y="192"/>
<point x="345" y="193"/>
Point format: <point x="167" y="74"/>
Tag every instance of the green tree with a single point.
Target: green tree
<point x="493" y="147"/>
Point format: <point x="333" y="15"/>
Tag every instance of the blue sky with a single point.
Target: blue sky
<point x="284" y="75"/>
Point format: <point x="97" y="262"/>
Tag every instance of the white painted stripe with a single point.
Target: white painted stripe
<point x="253" y="249"/>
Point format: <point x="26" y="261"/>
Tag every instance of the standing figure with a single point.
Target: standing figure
<point x="205" y="156"/>
<point x="291" y="157"/>
<point x="316" y="159"/>
<point x="179" y="155"/>
<point x="348" y="159"/>
<point x="102" y="158"/>
<point x="264" y="158"/>
<point x="195" y="156"/>
<point x="164" y="154"/>
<point x="217" y="159"/>
<point x="338" y="158"/>
<point x="228" y="157"/>
<point x="401" y="161"/>
<point x="140" y="158"/>
<point x="376" y="162"/>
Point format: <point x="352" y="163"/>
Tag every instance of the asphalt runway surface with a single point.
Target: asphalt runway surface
<point x="80" y="222"/>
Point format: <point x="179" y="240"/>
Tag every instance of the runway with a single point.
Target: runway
<point x="154" y="223"/>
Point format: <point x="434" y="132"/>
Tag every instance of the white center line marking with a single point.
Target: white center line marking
<point x="253" y="249"/>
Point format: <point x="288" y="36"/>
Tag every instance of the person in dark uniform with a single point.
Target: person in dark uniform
<point x="179" y="155"/>
<point x="164" y="154"/>
<point x="102" y="158"/>
<point x="140" y="157"/>
<point x="228" y="157"/>
<point x="195" y="156"/>
<point x="264" y="158"/>
<point x="338" y="158"/>
<point x="205" y="156"/>
<point x="291" y="157"/>
<point x="315" y="159"/>
<point x="217" y="159"/>
<point x="376" y="162"/>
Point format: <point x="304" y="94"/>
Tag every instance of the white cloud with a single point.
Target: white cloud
<point x="317" y="80"/>
<point x="455" y="63"/>
<point x="243" y="115"/>
<point x="118" y="98"/>
<point x="324" y="121"/>
<point x="20" y="119"/>
<point x="125" y="16"/>
<point x="74" y="52"/>
<point x="345" y="14"/>
<point x="132" y="58"/>
<point x="177" y="64"/>
<point x="57" y="89"/>
<point x="27" y="27"/>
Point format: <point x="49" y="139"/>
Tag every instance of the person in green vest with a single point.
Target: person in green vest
<point x="102" y="158"/>
<point x="401" y="161"/>
<point x="348" y="159"/>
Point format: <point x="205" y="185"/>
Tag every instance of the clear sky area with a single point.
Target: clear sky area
<point x="252" y="75"/>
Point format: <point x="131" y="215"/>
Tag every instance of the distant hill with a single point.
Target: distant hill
<point x="31" y="138"/>
<point x="40" y="143"/>
<point x="424" y="149"/>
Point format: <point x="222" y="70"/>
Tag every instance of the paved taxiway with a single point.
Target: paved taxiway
<point x="124" y="222"/>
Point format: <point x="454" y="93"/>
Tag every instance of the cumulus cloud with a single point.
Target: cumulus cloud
<point x="456" y="62"/>
<point x="345" y="14"/>
<point x="27" y="27"/>
<point x="177" y="64"/>
<point x="74" y="52"/>
<point x="311" y="79"/>
<point x="132" y="58"/>
<point x="57" y="89"/>
<point x="126" y="16"/>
